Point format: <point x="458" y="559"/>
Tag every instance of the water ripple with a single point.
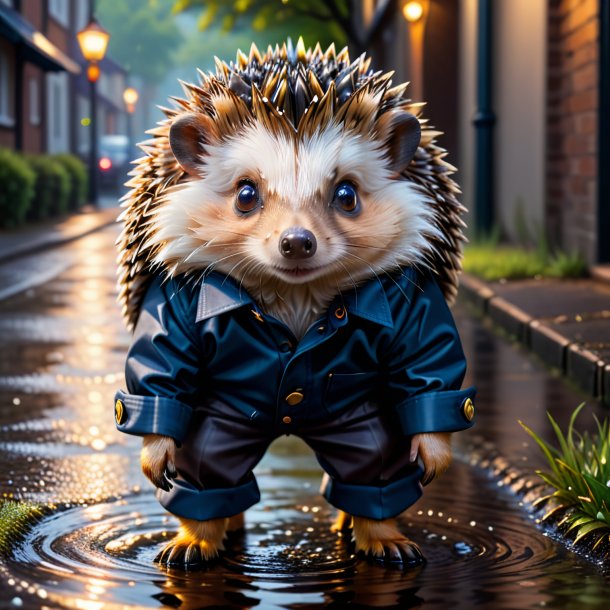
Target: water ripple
<point x="102" y="557"/>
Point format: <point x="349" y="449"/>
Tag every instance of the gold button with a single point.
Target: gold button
<point x="340" y="313"/>
<point x="287" y="420"/>
<point x="119" y="412"/>
<point x="257" y="315"/>
<point x="468" y="409"/>
<point x="294" y="398"/>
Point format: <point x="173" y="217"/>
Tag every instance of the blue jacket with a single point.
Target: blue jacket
<point x="392" y="340"/>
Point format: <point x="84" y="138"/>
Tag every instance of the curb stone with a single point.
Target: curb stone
<point x="580" y="365"/>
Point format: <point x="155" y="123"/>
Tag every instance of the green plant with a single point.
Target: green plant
<point x="580" y="474"/>
<point x="77" y="172"/>
<point x="16" y="188"/>
<point x="16" y="518"/>
<point x="494" y="262"/>
<point x="52" y="187"/>
<point x="565" y="264"/>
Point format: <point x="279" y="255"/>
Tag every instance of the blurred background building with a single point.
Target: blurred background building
<point x="45" y="98"/>
<point x="519" y="89"/>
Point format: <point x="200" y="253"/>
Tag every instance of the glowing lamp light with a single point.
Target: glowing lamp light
<point x="93" y="42"/>
<point x="130" y="97"/>
<point x="413" y="11"/>
<point x="105" y="164"/>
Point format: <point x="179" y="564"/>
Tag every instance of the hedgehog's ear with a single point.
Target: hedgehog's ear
<point x="187" y="137"/>
<point x="400" y="132"/>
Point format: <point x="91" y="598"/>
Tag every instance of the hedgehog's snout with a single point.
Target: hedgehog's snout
<point x="297" y="243"/>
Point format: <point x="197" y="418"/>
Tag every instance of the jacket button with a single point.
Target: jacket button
<point x="340" y="313"/>
<point x="287" y="420"/>
<point x="468" y="409"/>
<point x="119" y="412"/>
<point x="286" y="346"/>
<point x="294" y="398"/>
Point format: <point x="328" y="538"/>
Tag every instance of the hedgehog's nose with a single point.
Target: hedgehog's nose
<point x="297" y="243"/>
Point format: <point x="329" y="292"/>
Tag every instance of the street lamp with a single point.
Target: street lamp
<point x="415" y="13"/>
<point x="130" y="97"/>
<point x="93" y="41"/>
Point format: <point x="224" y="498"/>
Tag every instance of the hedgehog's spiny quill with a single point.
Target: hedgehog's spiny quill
<point x="295" y="92"/>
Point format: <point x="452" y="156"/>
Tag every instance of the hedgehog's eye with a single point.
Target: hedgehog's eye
<point x="247" y="199"/>
<point x="346" y="199"/>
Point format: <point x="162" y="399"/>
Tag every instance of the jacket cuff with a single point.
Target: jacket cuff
<point x="447" y="411"/>
<point x="141" y="415"/>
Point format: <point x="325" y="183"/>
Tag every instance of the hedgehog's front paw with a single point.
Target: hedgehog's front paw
<point x="157" y="460"/>
<point x="197" y="542"/>
<point x="382" y="540"/>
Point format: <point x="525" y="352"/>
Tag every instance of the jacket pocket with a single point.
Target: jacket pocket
<point x="348" y="389"/>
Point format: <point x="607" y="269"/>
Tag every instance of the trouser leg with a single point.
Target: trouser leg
<point x="215" y="465"/>
<point x="367" y="458"/>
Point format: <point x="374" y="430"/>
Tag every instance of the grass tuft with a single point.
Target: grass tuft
<point x="580" y="475"/>
<point x="16" y="519"/>
<point x="492" y="261"/>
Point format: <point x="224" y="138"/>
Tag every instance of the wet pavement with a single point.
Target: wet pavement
<point x="62" y="349"/>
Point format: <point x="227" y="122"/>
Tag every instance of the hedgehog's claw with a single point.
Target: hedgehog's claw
<point x="404" y="552"/>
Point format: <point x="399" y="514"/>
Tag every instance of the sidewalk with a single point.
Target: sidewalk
<point x="565" y="322"/>
<point x="14" y="244"/>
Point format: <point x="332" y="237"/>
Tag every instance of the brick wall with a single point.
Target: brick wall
<point x="572" y="107"/>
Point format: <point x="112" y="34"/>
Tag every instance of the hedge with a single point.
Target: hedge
<point x="79" y="179"/>
<point x="17" y="180"/>
<point x="52" y="193"/>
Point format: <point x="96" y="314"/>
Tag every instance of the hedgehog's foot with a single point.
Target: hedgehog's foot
<point x="236" y="524"/>
<point x="197" y="542"/>
<point x="343" y="523"/>
<point x="382" y="540"/>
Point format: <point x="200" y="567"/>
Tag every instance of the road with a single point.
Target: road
<point x="62" y="350"/>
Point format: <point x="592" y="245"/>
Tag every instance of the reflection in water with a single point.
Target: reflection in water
<point x="480" y="554"/>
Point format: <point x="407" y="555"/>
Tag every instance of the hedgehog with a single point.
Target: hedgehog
<point x="291" y="244"/>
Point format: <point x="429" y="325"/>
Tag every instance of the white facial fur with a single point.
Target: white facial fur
<point x="197" y="227"/>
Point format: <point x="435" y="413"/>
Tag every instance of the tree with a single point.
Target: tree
<point x="263" y="14"/>
<point x="140" y="34"/>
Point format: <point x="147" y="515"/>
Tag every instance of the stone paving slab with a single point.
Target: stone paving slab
<point x="547" y="298"/>
<point x="565" y="322"/>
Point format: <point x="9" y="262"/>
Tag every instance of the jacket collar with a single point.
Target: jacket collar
<point x="220" y="294"/>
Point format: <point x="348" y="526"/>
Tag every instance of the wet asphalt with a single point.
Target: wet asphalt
<point x="62" y="350"/>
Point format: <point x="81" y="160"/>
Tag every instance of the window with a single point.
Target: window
<point x="58" y="127"/>
<point x="59" y="10"/>
<point x="34" y="102"/>
<point x="6" y="118"/>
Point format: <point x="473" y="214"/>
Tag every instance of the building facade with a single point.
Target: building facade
<point x="44" y="91"/>
<point x="518" y="89"/>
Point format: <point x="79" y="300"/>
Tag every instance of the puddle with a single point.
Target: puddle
<point x="101" y="557"/>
